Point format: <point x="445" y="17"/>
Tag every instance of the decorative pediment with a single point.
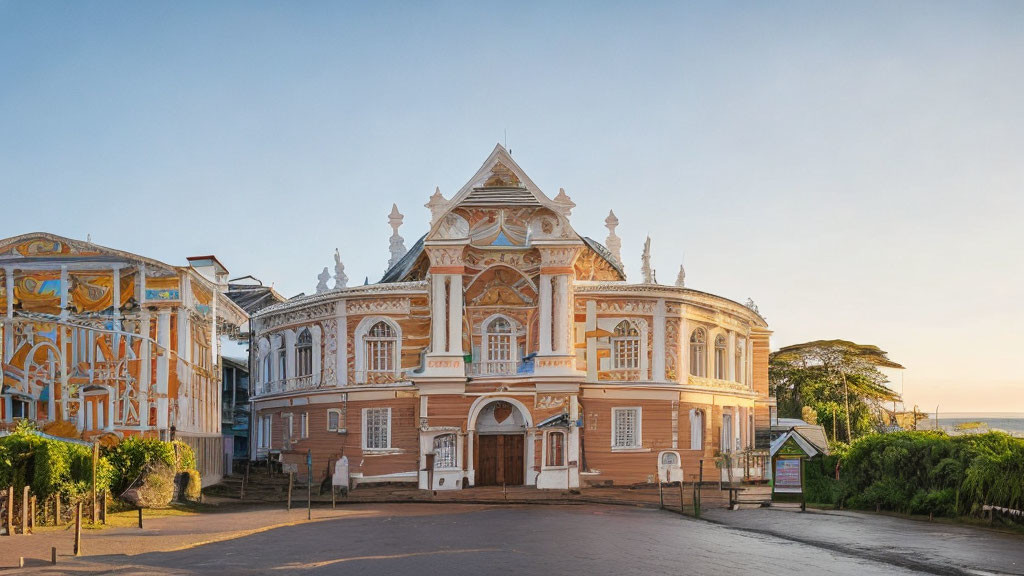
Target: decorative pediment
<point x="502" y="177"/>
<point x="501" y="286"/>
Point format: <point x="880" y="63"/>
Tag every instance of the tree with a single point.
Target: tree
<point x="815" y="373"/>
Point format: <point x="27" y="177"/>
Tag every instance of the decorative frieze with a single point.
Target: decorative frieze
<point x="378" y="306"/>
<point x="300" y="316"/>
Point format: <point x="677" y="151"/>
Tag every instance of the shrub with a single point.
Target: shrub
<point x="184" y="457"/>
<point x="155" y="487"/>
<point x="194" y="488"/>
<point x="130" y="458"/>
<point x="49" y="466"/>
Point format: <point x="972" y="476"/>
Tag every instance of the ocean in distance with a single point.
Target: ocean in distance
<point x="963" y="422"/>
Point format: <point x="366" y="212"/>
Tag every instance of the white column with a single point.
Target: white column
<point x="455" y="314"/>
<point x="214" y="339"/>
<point x="117" y="291"/>
<point x="658" y="341"/>
<point x="437" y="314"/>
<point x="730" y="357"/>
<point x="545" y="314"/>
<point x="163" y="340"/>
<point x="64" y="291"/>
<point x="591" y="324"/>
<point x="341" y="362"/>
<point x="560" y="314"/>
<point x="145" y="369"/>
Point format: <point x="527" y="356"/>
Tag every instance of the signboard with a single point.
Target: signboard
<point x="787" y="475"/>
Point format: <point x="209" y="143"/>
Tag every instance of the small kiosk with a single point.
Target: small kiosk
<point x="788" y="453"/>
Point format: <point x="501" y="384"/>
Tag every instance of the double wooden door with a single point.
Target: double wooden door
<point x="500" y="460"/>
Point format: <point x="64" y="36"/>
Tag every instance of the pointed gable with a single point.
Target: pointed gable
<point x="500" y="182"/>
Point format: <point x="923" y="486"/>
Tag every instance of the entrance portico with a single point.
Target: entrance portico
<point x="500" y="441"/>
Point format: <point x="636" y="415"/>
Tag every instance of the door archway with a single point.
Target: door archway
<point x="501" y="442"/>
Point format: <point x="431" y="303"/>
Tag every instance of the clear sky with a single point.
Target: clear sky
<point x="858" y="170"/>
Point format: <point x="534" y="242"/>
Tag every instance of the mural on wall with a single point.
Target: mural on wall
<point x="92" y="292"/>
<point x="38" y="291"/>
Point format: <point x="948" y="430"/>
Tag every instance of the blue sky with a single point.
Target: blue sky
<point x="856" y="169"/>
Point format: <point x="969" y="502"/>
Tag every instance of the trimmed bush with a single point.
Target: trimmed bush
<point x="129" y="459"/>
<point x="49" y="466"/>
<point x="194" y="488"/>
<point x="155" y="488"/>
<point x="184" y="457"/>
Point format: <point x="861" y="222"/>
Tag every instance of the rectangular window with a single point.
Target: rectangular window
<point x="556" y="449"/>
<point x="379" y="353"/>
<point x="376" y="428"/>
<point x="445" y="455"/>
<point x="304" y="426"/>
<point x="626" y="428"/>
<point x="727" y="432"/>
<point x="696" y="429"/>
<point x="282" y="365"/>
<point x="333" y="419"/>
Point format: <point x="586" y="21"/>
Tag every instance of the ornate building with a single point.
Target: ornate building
<point x="114" y="343"/>
<point x="505" y="348"/>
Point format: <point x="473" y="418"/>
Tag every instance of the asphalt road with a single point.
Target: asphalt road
<point x="505" y="540"/>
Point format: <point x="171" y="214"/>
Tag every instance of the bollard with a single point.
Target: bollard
<point x="78" y="528"/>
<point x="103" y="507"/>
<point x="95" y="458"/>
<point x="32" y="516"/>
<point x="289" y="491"/>
<point x="53" y="555"/>
<point x="21" y="561"/>
<point x="56" y="510"/>
<point x="24" y="511"/>
<point x="334" y="495"/>
<point x="661" y="491"/>
<point x="140" y="518"/>
<point x="682" y="510"/>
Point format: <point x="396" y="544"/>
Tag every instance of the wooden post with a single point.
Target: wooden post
<point x="682" y="510"/>
<point x="103" y="507"/>
<point x="334" y="493"/>
<point x="56" y="510"/>
<point x="24" y="511"/>
<point x="53" y="554"/>
<point x="95" y="457"/>
<point x="700" y="481"/>
<point x="78" y="529"/>
<point x="32" y="516"/>
<point x="140" y="517"/>
<point x="290" y="491"/>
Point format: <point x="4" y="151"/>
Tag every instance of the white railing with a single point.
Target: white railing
<point x="498" y="368"/>
<point x="287" y="385"/>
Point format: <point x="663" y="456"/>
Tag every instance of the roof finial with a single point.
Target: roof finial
<point x="681" y="278"/>
<point x="321" y="285"/>
<point x="645" y="263"/>
<point x="397" y="242"/>
<point x="613" y="243"/>
<point x="340" y="279"/>
<point x="436" y="205"/>
<point x="565" y="204"/>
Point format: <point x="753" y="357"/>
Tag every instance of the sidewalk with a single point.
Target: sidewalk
<point x="936" y="547"/>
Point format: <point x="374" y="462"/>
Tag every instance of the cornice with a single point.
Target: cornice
<point x="336" y="294"/>
<point x="654" y="291"/>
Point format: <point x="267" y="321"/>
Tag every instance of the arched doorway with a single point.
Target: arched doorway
<point x="502" y="451"/>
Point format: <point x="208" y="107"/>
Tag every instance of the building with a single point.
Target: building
<point x="251" y="295"/>
<point x="506" y="348"/>
<point x="114" y="343"/>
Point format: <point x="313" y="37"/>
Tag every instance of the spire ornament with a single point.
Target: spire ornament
<point x="437" y="205"/>
<point x="645" y="263"/>
<point x="322" y="278"/>
<point x="613" y="243"/>
<point x="340" y="279"/>
<point x="565" y="204"/>
<point x="681" y="278"/>
<point x="397" y="242"/>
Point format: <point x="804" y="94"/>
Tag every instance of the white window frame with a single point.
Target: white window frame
<point x="304" y="354"/>
<point x="638" y="433"/>
<point x="500" y="346"/>
<point x="331" y="412"/>
<point x="698" y="353"/>
<point x="366" y="435"/>
<point x="721" y="364"/>
<point x="304" y="425"/>
<point x="290" y="426"/>
<point x="451" y="462"/>
<point x="548" y="446"/>
<point x="727" y="433"/>
<point x="360" y="337"/>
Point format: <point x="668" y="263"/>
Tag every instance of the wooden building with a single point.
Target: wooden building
<point x="114" y="343"/>
<point x="506" y="348"/>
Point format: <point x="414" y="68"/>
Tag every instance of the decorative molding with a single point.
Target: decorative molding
<point x="378" y="306"/>
<point x="416" y="287"/>
<point x="443" y="256"/>
<point x="558" y="256"/>
<point x="303" y="315"/>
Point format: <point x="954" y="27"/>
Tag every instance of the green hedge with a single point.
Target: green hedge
<point x="49" y="466"/>
<point x="130" y="457"/>
<point x="922" y="473"/>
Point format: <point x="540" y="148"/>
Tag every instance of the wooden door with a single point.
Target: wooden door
<point x="512" y="459"/>
<point x="487" y="458"/>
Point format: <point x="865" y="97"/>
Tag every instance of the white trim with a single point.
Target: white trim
<point x="333" y="411"/>
<point x="362" y="329"/>
<point x="389" y="446"/>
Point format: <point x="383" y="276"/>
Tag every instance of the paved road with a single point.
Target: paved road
<point x="513" y="540"/>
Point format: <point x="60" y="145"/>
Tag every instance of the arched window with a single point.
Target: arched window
<point x="698" y="353"/>
<point x="556" y="449"/>
<point x="304" y="353"/>
<point x="381" y="345"/>
<point x="268" y="368"/>
<point x="720" y="358"/>
<point x="499" y="340"/>
<point x="625" y="346"/>
<point x="445" y="453"/>
<point x="670" y="459"/>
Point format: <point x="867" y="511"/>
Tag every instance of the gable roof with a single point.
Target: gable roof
<point x="500" y="182"/>
<point x="74" y="249"/>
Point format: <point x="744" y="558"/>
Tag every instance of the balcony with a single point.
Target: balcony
<point x="499" y="368"/>
<point x="287" y="385"/>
